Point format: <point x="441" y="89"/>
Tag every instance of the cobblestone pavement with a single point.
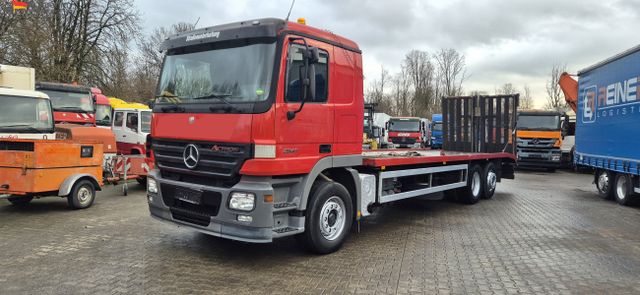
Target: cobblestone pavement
<point x="542" y="233"/>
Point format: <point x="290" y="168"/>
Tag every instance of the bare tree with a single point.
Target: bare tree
<point x="555" y="98"/>
<point x="401" y="94"/>
<point x="377" y="92"/>
<point x="450" y="65"/>
<point x="149" y="61"/>
<point x="526" y="101"/>
<point x="507" y="88"/>
<point x="421" y="73"/>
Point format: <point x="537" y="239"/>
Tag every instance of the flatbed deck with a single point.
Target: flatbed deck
<point x="388" y="158"/>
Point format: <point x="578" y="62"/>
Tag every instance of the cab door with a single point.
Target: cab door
<point x="117" y="128"/>
<point x="310" y="133"/>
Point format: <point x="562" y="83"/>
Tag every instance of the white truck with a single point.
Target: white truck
<point x="25" y="113"/>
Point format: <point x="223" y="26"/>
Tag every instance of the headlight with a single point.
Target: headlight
<point x="242" y="201"/>
<point x="152" y="185"/>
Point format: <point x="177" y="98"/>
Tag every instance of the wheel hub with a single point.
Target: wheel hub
<point x="603" y="181"/>
<point x="492" y="179"/>
<point x="332" y="218"/>
<point x="83" y="195"/>
<point x="475" y="184"/>
<point x="621" y="188"/>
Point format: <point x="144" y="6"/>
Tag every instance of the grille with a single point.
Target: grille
<point x="218" y="161"/>
<point x="536" y="142"/>
<point x="16" y="146"/>
<point x="197" y="214"/>
<point x="403" y="140"/>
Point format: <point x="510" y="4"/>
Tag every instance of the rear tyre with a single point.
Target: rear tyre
<point x="490" y="178"/>
<point x="604" y="183"/>
<point x="329" y="217"/>
<point x="82" y="195"/>
<point x="20" y="201"/>
<point x="623" y="191"/>
<point x="471" y="193"/>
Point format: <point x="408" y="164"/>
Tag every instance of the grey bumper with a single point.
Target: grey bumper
<point x="223" y="223"/>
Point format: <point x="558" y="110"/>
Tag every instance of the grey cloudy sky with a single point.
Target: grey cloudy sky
<point x="506" y="41"/>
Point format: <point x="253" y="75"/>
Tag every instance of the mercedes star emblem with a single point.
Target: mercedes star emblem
<point x="191" y="156"/>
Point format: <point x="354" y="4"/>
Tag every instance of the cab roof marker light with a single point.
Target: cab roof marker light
<point x="265" y="151"/>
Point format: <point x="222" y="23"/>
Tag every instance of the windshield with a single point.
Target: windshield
<point x="404" y="125"/>
<point x="538" y="122"/>
<point x="76" y="102"/>
<point x="103" y="115"/>
<point x="25" y="115"/>
<point x="231" y="74"/>
<point x="145" y="123"/>
<point x="437" y="126"/>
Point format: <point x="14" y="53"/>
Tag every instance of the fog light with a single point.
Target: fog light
<point x="245" y="218"/>
<point x="152" y="185"/>
<point x="242" y="201"/>
<point x="150" y="199"/>
<point x="555" y="158"/>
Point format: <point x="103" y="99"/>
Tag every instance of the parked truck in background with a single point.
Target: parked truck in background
<point x="436" y="131"/>
<point x="380" y="120"/>
<point x="406" y="132"/>
<point x="24" y="112"/>
<point x="568" y="139"/>
<point x="606" y="101"/>
<point x="71" y="103"/>
<point x="539" y="138"/>
<point x="272" y="147"/>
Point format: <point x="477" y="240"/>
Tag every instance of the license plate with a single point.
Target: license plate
<point x="189" y="196"/>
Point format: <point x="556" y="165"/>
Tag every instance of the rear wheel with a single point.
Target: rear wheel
<point x="20" y="201"/>
<point x="490" y="177"/>
<point x="473" y="191"/>
<point x="82" y="195"/>
<point x="623" y="191"/>
<point x="604" y="183"/>
<point x="329" y="217"/>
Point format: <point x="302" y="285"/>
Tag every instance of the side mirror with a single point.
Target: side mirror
<point x="313" y="55"/>
<point x="383" y="132"/>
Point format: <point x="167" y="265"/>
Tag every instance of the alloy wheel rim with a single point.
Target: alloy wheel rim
<point x="332" y="218"/>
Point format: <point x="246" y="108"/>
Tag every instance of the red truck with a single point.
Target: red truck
<point x="71" y="103"/>
<point x="407" y="132"/>
<point x="257" y="135"/>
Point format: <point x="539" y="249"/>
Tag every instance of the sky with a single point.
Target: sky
<point x="504" y="41"/>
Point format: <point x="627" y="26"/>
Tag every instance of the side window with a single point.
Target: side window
<point x="118" y="119"/>
<point x="132" y="121"/>
<point x="295" y="66"/>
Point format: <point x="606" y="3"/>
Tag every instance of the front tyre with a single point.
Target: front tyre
<point x="329" y="217"/>
<point x="82" y="195"/>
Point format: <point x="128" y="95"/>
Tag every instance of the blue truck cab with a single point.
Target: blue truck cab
<point x="436" y="131"/>
<point x="607" y="133"/>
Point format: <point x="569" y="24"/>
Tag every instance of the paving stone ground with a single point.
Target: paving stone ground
<point x="542" y="233"/>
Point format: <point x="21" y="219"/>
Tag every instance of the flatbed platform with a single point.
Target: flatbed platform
<point x="387" y="158"/>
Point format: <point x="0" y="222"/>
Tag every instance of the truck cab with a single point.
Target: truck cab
<point x="406" y="132"/>
<point x="539" y="138"/>
<point x="436" y="131"/>
<point x="131" y="127"/>
<point x="71" y="103"/>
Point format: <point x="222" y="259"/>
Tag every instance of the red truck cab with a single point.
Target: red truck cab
<point x="71" y="103"/>
<point x="406" y="132"/>
<point x="257" y="134"/>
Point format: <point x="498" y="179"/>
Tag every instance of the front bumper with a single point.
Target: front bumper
<point x="542" y="158"/>
<point x="220" y="221"/>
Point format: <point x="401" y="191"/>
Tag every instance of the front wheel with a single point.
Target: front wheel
<point x="82" y="195"/>
<point x="329" y="217"/>
<point x="20" y="201"/>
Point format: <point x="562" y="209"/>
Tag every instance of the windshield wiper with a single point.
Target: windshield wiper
<point x="71" y="109"/>
<point x="22" y="126"/>
<point x="174" y="108"/>
<point x="221" y="97"/>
